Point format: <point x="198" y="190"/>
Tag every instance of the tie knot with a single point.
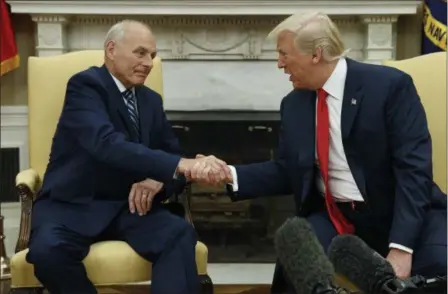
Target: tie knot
<point x="321" y="94"/>
<point x="128" y="94"/>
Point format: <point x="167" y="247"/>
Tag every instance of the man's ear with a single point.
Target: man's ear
<point x="110" y="49"/>
<point x="317" y="56"/>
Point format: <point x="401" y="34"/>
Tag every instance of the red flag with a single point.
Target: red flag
<point x="9" y="55"/>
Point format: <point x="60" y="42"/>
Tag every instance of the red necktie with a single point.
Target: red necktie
<point x="323" y="145"/>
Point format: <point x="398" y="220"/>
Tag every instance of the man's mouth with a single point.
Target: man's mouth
<point x="142" y="74"/>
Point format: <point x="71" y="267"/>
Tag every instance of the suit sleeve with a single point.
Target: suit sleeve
<point x="84" y="115"/>
<point x="410" y="144"/>
<point x="268" y="178"/>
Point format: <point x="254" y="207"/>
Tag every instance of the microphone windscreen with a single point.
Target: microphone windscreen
<point x="302" y="256"/>
<point x="364" y="267"/>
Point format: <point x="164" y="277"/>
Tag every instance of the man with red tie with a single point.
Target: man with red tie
<point x="355" y="151"/>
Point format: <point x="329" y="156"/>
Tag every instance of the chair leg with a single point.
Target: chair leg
<point x="206" y="284"/>
<point x="36" y="290"/>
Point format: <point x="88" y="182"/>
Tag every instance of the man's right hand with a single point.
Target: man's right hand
<point x="205" y="169"/>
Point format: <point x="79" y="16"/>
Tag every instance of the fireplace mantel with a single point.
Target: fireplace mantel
<point x="215" y="53"/>
<point x="219" y="7"/>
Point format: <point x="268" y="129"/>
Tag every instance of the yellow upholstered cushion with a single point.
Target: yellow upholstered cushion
<point x="108" y="263"/>
<point x="429" y="75"/>
<point x="47" y="82"/>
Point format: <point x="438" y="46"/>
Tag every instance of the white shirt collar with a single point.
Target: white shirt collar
<point x="335" y="85"/>
<point x="120" y="85"/>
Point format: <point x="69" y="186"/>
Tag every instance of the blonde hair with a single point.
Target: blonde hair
<point x="312" y="31"/>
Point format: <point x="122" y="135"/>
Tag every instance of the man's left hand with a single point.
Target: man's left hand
<point x="142" y="194"/>
<point x="401" y="262"/>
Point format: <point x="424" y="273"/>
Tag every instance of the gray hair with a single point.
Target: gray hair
<point x="118" y="30"/>
<point x="312" y="31"/>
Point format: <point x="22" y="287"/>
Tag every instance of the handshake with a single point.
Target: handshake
<point x="205" y="169"/>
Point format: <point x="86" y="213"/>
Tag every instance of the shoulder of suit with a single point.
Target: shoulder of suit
<point x="294" y="94"/>
<point x="90" y="74"/>
<point x="147" y="90"/>
<point x="151" y="94"/>
<point x="378" y="72"/>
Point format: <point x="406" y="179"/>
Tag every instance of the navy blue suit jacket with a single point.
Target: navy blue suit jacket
<point x="387" y="145"/>
<point x="96" y="157"/>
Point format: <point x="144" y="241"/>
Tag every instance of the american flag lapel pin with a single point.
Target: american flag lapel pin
<point x="353" y="101"/>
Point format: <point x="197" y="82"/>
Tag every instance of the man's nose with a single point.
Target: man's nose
<point x="280" y="63"/>
<point x="148" y="61"/>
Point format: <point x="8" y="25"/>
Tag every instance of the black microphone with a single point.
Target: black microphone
<point x="434" y="285"/>
<point x="364" y="267"/>
<point x="303" y="258"/>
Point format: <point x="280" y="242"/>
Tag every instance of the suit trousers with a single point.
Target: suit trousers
<point x="167" y="240"/>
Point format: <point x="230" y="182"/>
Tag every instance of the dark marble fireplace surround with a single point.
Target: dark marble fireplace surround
<point x="237" y="232"/>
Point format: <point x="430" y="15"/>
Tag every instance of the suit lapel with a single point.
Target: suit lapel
<point x="118" y="102"/>
<point x="352" y="99"/>
<point x="350" y="106"/>
<point x="145" y="115"/>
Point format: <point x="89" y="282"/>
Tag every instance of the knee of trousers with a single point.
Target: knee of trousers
<point x="433" y="261"/>
<point x="439" y="260"/>
<point x="189" y="233"/>
<point x="47" y="255"/>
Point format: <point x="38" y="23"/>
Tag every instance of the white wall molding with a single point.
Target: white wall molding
<point x="200" y="37"/>
<point x="380" y="37"/>
<point x="218" y="7"/>
<point x="215" y="53"/>
<point x="51" y="34"/>
<point x="186" y="20"/>
<point x="14" y="131"/>
<point x="14" y="116"/>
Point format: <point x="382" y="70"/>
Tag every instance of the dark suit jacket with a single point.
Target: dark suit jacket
<point x="386" y="142"/>
<point x="96" y="157"/>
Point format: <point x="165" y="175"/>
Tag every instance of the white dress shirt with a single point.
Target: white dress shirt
<point x="340" y="178"/>
<point x="122" y="88"/>
<point x="341" y="181"/>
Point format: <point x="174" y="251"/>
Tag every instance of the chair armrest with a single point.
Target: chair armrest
<point x="27" y="184"/>
<point x="185" y="198"/>
<point x="28" y="179"/>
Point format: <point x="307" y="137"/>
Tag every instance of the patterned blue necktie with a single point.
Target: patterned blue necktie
<point x="131" y="103"/>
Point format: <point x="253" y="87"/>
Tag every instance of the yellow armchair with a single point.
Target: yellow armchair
<point x="47" y="80"/>
<point x="429" y="75"/>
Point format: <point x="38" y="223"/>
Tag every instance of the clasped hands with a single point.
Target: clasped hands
<point x="205" y="169"/>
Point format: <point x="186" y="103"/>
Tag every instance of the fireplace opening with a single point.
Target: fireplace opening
<point x="9" y="168"/>
<point x="243" y="231"/>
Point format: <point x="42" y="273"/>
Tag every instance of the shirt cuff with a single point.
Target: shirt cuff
<point x="234" y="183"/>
<point x="401" y="247"/>
<point x="176" y="171"/>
